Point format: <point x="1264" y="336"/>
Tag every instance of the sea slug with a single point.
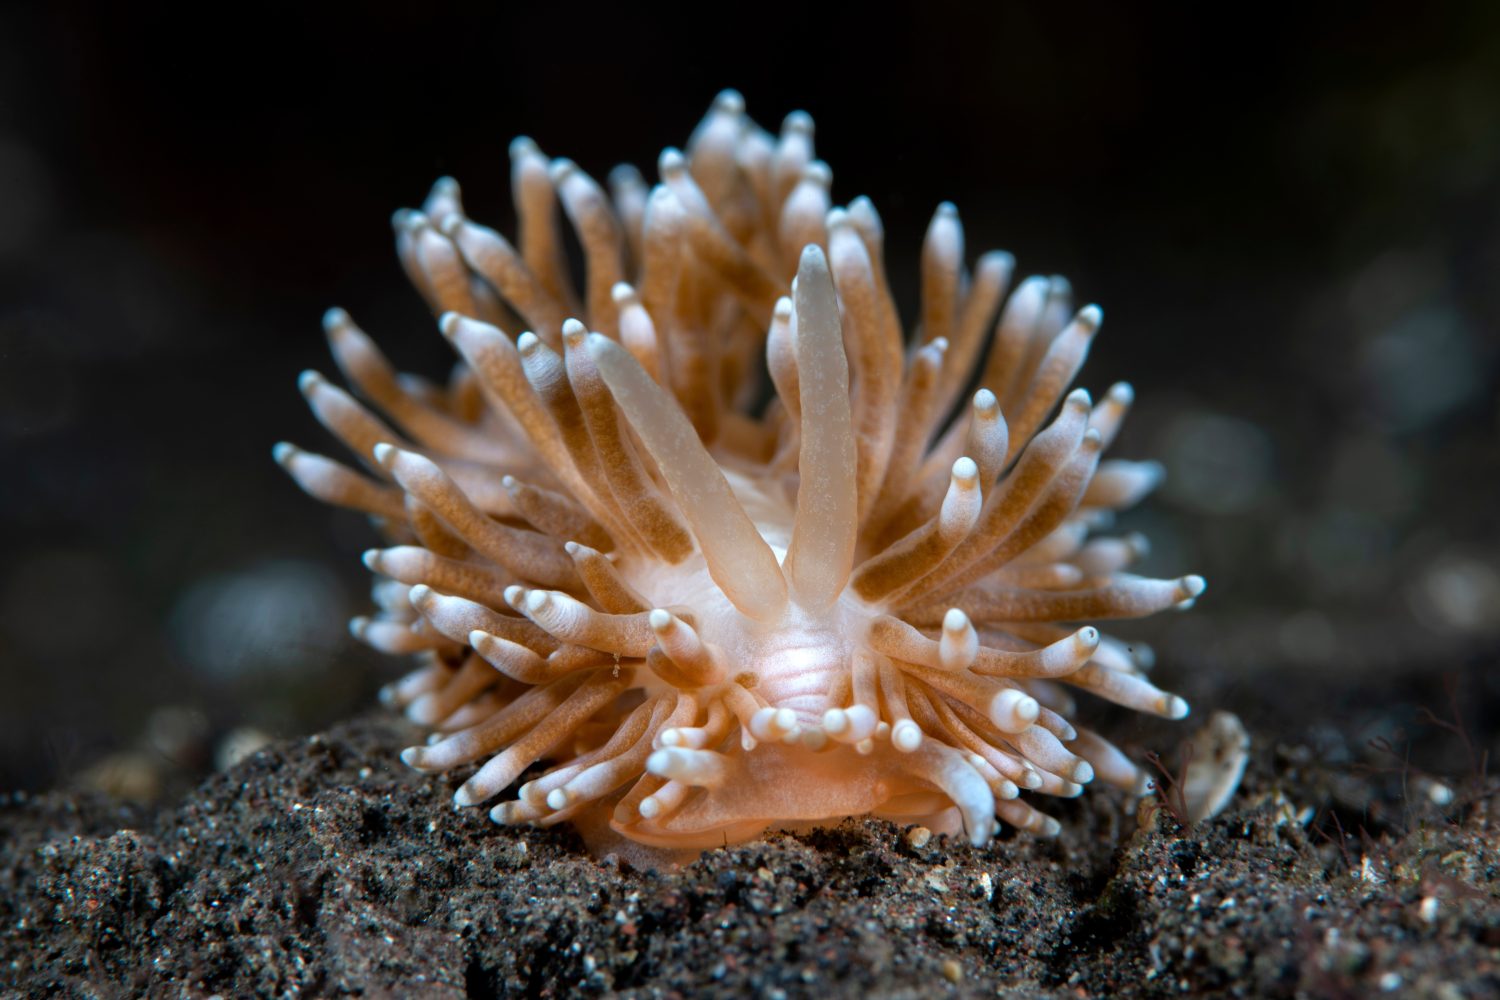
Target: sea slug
<point x="709" y="536"/>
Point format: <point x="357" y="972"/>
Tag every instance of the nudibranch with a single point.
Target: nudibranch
<point x="709" y="539"/>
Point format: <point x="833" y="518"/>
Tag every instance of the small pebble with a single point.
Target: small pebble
<point x="1428" y="910"/>
<point x="238" y="744"/>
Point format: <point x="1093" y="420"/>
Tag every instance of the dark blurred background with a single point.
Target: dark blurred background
<point x="1293" y="224"/>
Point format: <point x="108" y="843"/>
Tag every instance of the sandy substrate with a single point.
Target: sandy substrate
<point x="322" y="867"/>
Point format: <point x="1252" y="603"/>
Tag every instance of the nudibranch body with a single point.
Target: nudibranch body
<point x="708" y="614"/>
